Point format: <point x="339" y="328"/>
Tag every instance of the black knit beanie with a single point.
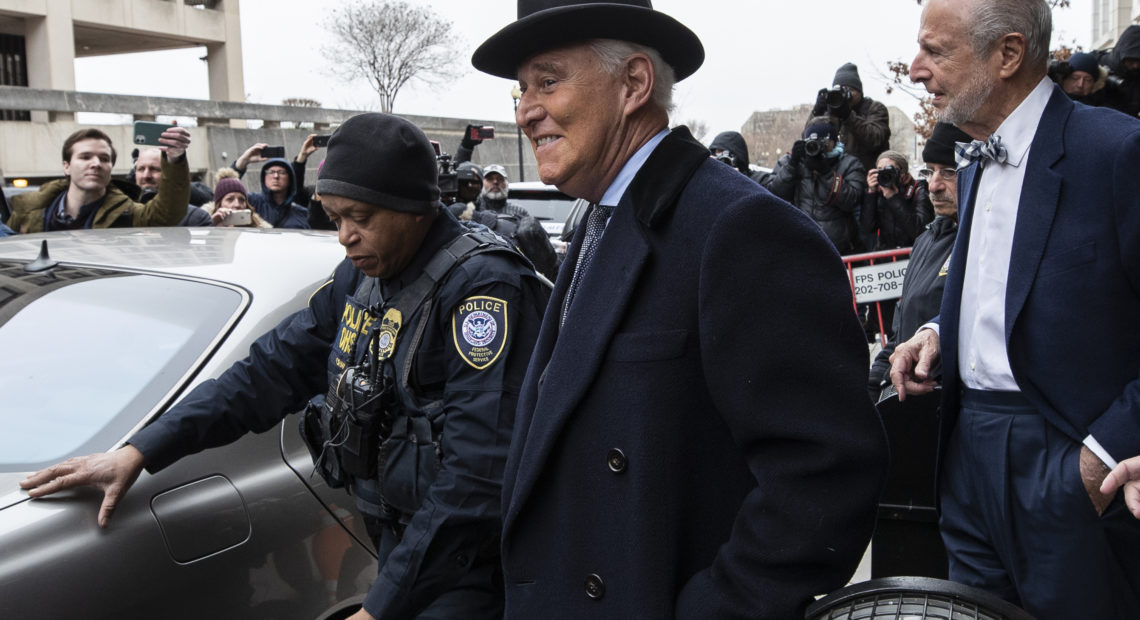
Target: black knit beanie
<point x="384" y="161"/>
<point x="848" y="75"/>
<point x="939" y="147"/>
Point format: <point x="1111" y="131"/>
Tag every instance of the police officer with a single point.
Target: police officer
<point x="419" y="341"/>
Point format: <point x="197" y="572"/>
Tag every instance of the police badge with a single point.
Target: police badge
<point x="479" y="329"/>
<point x="387" y="332"/>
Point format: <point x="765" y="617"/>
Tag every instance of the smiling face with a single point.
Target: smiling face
<point x="89" y="168"/>
<point x="380" y="242"/>
<point x="946" y="65"/>
<point x="572" y="111"/>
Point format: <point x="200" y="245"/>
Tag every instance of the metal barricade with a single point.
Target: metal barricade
<point x="876" y="277"/>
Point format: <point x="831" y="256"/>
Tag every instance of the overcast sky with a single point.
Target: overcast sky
<point x="759" y="55"/>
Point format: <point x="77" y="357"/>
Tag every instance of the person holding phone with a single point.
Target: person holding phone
<point x="230" y="207"/>
<point x="87" y="197"/>
<point x="275" y="204"/>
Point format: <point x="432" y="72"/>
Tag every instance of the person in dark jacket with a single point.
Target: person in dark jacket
<point x="1082" y="78"/>
<point x="864" y="124"/>
<point x="459" y="335"/>
<point x="896" y="207"/>
<point x="730" y="148"/>
<point x="825" y="182"/>
<point x="926" y="272"/>
<point x="278" y="188"/>
<point x="1124" y="72"/>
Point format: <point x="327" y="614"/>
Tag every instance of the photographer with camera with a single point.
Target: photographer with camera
<point x="730" y="148"/>
<point x="864" y="125"/>
<point x="896" y="207"/>
<point x="823" y="181"/>
<point x="1124" y="73"/>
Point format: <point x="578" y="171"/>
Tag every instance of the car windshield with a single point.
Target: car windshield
<point x="88" y="353"/>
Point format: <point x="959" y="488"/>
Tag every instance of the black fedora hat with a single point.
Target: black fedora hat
<point x="549" y="24"/>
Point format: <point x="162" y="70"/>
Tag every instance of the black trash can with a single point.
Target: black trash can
<point x="906" y="540"/>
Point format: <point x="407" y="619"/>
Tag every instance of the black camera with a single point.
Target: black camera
<point x="724" y="155"/>
<point x="816" y="146"/>
<point x="837" y="96"/>
<point x="448" y="181"/>
<point x="889" y="176"/>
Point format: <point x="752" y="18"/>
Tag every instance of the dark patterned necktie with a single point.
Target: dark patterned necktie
<point x="966" y="153"/>
<point x="595" y="226"/>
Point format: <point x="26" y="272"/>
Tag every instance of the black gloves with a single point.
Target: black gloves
<point x="468" y="142"/>
<point x="820" y="103"/>
<point x="798" y="153"/>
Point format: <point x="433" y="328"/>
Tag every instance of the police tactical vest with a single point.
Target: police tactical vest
<point x="374" y="433"/>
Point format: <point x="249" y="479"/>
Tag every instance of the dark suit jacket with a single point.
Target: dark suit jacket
<point x="1073" y="296"/>
<point x="697" y="440"/>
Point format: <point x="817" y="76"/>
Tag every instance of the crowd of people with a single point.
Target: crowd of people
<point x="683" y="424"/>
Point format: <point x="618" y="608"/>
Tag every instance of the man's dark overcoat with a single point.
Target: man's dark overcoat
<point x="696" y="440"/>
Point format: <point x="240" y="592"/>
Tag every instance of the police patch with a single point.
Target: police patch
<point x="479" y="329"/>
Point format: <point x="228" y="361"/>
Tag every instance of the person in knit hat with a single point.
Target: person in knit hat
<point x="1081" y="78"/>
<point x="231" y="197"/>
<point x="407" y="362"/>
<point x="864" y="125"/>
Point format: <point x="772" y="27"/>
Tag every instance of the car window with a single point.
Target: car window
<point x="87" y="354"/>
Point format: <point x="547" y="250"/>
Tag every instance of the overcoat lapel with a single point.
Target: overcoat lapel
<point x="577" y="350"/>
<point x="1040" y="194"/>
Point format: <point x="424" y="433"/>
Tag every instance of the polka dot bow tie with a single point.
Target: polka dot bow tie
<point x="966" y="153"/>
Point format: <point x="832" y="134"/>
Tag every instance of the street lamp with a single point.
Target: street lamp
<point x="516" y="94"/>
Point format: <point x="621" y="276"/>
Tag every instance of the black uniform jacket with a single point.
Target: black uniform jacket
<point x="921" y="294"/>
<point x="696" y="440"/>
<point x="287" y="366"/>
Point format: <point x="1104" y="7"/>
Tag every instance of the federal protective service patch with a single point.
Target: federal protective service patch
<point x="479" y="329"/>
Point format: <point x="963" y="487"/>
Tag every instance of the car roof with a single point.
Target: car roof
<point x="255" y="259"/>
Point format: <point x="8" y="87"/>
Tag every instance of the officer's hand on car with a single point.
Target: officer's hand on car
<point x="175" y="140"/>
<point x="113" y="472"/>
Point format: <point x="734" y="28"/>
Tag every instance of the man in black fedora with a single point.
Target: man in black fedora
<point x="693" y="438"/>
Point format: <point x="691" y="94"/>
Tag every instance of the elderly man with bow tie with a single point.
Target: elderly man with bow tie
<point x="1037" y="338"/>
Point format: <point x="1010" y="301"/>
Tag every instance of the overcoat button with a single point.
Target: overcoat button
<point x="595" y="587"/>
<point x="617" y="461"/>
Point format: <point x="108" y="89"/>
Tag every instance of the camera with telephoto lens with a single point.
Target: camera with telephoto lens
<point x="837" y="96"/>
<point x="888" y="176"/>
<point x="816" y="146"/>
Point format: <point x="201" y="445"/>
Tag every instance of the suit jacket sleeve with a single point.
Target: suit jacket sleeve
<point x="792" y="388"/>
<point x="1118" y="428"/>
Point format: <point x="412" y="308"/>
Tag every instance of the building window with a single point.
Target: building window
<point x="13" y="71"/>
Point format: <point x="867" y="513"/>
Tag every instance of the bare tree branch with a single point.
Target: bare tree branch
<point x="388" y="43"/>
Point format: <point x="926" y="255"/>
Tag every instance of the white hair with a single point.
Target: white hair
<point x="613" y="53"/>
<point x="990" y="20"/>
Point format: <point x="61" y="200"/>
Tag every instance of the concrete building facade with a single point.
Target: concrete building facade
<point x="1110" y="18"/>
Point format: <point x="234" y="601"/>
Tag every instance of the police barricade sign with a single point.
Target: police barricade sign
<point x="879" y="282"/>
